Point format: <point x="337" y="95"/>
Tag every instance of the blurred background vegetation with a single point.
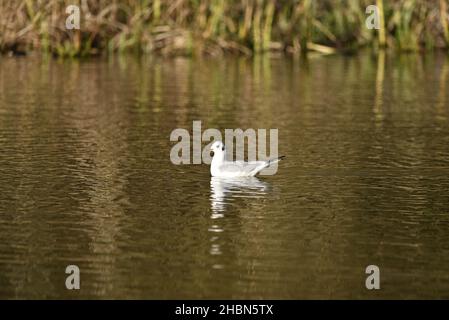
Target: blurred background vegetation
<point x="191" y="27"/>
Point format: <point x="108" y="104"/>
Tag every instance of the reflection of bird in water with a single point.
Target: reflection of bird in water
<point x="224" y="190"/>
<point x="220" y="167"/>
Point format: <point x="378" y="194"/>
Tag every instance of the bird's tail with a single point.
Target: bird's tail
<point x="275" y="160"/>
<point x="266" y="164"/>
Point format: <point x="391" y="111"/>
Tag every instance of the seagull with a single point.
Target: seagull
<point x="220" y="167"/>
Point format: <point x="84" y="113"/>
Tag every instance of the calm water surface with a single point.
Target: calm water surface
<point x="86" y="178"/>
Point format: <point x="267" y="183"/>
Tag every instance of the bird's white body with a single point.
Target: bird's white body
<point x="220" y="167"/>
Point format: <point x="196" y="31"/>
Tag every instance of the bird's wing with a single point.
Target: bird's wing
<point x="251" y="168"/>
<point x="244" y="168"/>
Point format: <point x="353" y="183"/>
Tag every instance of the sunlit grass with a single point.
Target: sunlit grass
<point x="215" y="26"/>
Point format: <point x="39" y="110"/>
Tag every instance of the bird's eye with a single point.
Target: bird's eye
<point x="222" y="148"/>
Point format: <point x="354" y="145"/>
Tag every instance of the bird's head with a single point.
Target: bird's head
<point x="217" y="147"/>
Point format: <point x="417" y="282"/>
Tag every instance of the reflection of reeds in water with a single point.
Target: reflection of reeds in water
<point x="441" y="106"/>
<point x="378" y="112"/>
<point x="214" y="26"/>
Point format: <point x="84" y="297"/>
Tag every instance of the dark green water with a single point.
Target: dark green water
<point x="86" y="178"/>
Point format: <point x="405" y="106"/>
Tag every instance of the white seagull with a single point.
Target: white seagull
<point x="220" y="167"/>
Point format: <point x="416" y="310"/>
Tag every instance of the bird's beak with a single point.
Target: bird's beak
<point x="212" y="152"/>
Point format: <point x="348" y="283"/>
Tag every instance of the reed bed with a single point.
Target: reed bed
<point x="213" y="27"/>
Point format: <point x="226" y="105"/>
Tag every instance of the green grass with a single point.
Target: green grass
<point x="193" y="27"/>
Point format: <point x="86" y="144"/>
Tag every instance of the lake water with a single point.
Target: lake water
<point x="86" y="178"/>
